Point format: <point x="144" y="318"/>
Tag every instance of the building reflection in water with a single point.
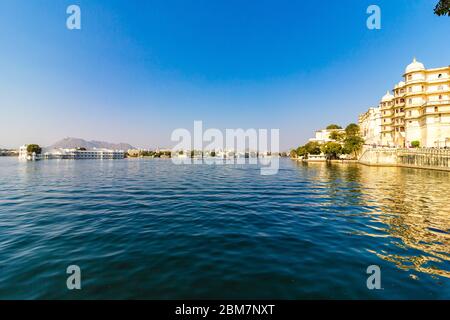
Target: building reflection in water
<point x="409" y="208"/>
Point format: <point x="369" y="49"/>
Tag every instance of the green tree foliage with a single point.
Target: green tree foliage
<point x="352" y="130"/>
<point x="312" y="147"/>
<point x="442" y="8"/>
<point x="34" y="148"/>
<point x="293" y="154"/>
<point x="331" y="149"/>
<point x="145" y="153"/>
<point x="333" y="127"/>
<point x="415" y="144"/>
<point x="338" y="136"/>
<point x="348" y="142"/>
<point x="301" y="151"/>
<point x="352" y="145"/>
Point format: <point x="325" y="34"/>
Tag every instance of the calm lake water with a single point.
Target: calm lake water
<point x="154" y="230"/>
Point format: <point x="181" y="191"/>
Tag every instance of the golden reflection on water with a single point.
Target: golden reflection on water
<point x="409" y="206"/>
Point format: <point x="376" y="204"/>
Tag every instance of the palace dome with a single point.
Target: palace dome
<point x="387" y="97"/>
<point x="414" y="66"/>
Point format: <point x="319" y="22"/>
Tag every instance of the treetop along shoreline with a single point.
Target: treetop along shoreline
<point x="343" y="142"/>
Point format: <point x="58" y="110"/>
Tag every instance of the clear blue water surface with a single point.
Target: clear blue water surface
<point x="150" y="229"/>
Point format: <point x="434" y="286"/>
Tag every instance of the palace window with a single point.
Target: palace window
<point x="436" y="109"/>
<point x="440" y="97"/>
<point x="439" y="75"/>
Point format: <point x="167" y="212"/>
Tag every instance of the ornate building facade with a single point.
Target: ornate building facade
<point x="370" y="126"/>
<point x="418" y="110"/>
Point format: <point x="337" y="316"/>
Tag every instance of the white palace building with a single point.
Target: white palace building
<point x="74" y="154"/>
<point x="417" y="109"/>
<point x="77" y="154"/>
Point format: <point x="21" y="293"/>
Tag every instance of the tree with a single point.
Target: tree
<point x="442" y="8"/>
<point x="34" y="148"/>
<point x="415" y="144"/>
<point x="145" y="153"/>
<point x="293" y="154"/>
<point x="301" y="151"/>
<point x="334" y="127"/>
<point x="352" y="145"/>
<point x="312" y="147"/>
<point x="352" y="130"/>
<point x="338" y="136"/>
<point x="331" y="149"/>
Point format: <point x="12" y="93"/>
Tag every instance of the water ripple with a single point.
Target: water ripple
<point x="152" y="229"/>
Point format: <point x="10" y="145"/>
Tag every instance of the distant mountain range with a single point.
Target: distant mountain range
<point x="70" y="143"/>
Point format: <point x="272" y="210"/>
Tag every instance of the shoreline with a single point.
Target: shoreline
<point x="379" y="165"/>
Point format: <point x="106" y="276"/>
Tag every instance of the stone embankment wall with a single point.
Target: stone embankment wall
<point x="424" y="158"/>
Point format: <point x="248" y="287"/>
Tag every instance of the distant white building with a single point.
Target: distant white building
<point x="323" y="136"/>
<point x="24" y="155"/>
<point x="370" y="126"/>
<point x="77" y="154"/>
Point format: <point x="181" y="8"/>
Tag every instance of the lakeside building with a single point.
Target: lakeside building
<point x="24" y="155"/>
<point x="8" y="153"/>
<point x="323" y="136"/>
<point x="418" y="110"/>
<point x="77" y="154"/>
<point x="225" y="154"/>
<point x="370" y="126"/>
<point x="74" y="154"/>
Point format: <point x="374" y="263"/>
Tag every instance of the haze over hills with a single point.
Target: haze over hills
<point x="81" y="143"/>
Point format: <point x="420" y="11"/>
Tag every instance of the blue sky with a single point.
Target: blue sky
<point x="137" y="70"/>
